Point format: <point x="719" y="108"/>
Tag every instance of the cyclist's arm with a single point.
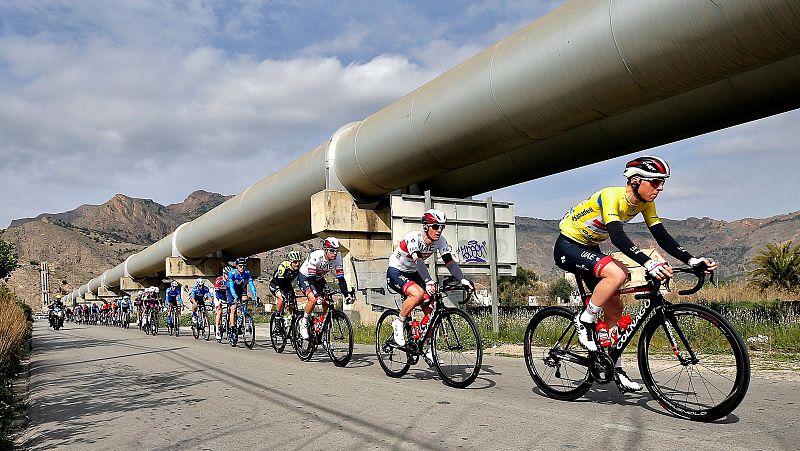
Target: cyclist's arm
<point x="452" y="266"/>
<point x="624" y="244"/>
<point x="422" y="268"/>
<point x="252" y="288"/>
<point x="231" y="288"/>
<point x="665" y="240"/>
<point x="342" y="284"/>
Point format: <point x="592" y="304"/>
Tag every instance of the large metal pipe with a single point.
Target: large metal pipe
<point x="581" y="64"/>
<point x="591" y="80"/>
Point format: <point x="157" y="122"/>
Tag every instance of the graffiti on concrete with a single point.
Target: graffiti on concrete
<point x="473" y="252"/>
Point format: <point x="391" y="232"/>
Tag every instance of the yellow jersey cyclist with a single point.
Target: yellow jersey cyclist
<point x="281" y="285"/>
<point x="600" y="217"/>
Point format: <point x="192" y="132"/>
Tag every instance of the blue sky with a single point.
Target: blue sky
<point x="153" y="98"/>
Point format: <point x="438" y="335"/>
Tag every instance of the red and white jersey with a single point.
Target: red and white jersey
<point x="317" y="265"/>
<point x="402" y="258"/>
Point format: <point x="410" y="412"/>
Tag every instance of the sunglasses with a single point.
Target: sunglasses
<point x="437" y="226"/>
<point x="655" y="183"/>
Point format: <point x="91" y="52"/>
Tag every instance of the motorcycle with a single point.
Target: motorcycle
<point x="57" y="318"/>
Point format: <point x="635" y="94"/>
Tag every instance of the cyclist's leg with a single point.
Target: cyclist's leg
<point x="279" y="302"/>
<point x="305" y="287"/>
<point x="411" y="285"/>
<point x="231" y="311"/>
<point x="321" y="286"/>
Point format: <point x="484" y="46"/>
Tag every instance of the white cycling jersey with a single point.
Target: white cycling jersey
<point x="318" y="265"/>
<point x="402" y="258"/>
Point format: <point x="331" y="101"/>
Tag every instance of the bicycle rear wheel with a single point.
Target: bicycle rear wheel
<point x="304" y="348"/>
<point x="393" y="360"/>
<point x="249" y="333"/>
<point x="340" y="338"/>
<point x="176" y="322"/>
<point x="154" y="323"/>
<point x="695" y="364"/>
<point x="196" y="327"/>
<point x="457" y="349"/>
<point x="276" y="334"/>
<point x="553" y="355"/>
<point x="206" y="326"/>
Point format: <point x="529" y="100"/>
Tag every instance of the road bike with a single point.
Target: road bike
<point x="282" y="326"/>
<point x="454" y="339"/>
<point x="203" y="325"/>
<point x="151" y="320"/>
<point x="245" y="327"/>
<point x="691" y="359"/>
<point x="125" y="318"/>
<point x="173" y="318"/>
<point x="223" y="323"/>
<point x="333" y="331"/>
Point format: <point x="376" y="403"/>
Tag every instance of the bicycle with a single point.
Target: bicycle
<point x="223" y="324"/>
<point x="151" y="320"/>
<point x="282" y="327"/>
<point x="125" y="319"/>
<point x="333" y="332"/>
<point x="244" y="324"/>
<point x="454" y="339"/>
<point x="203" y="325"/>
<point x="173" y="319"/>
<point x="681" y="344"/>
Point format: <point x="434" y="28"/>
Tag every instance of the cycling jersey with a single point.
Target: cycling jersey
<point x="200" y="294"/>
<point x="283" y="276"/>
<point x="221" y="287"/>
<point x="237" y="281"/>
<point x="317" y="265"/>
<point x="402" y="258"/>
<point x="173" y="295"/>
<point x="586" y="222"/>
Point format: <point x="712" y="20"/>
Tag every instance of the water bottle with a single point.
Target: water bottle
<point x="415" y="329"/>
<point x="424" y="324"/>
<point x="602" y="334"/>
<point x="623" y="323"/>
<point x="317" y="324"/>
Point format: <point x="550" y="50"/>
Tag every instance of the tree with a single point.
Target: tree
<point x="515" y="290"/>
<point x="778" y="266"/>
<point x="8" y="259"/>
<point x="560" y="288"/>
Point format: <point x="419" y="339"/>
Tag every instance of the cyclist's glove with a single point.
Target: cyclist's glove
<point x="657" y="269"/>
<point x="695" y="262"/>
<point x="349" y="299"/>
<point x="430" y="287"/>
<point x="468" y="285"/>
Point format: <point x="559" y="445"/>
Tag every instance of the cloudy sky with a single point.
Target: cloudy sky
<point x="158" y="98"/>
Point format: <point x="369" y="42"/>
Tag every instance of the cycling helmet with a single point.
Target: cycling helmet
<point x="241" y="261"/>
<point x="295" y="256"/>
<point x="330" y="243"/>
<point x="647" y="167"/>
<point x="434" y="216"/>
<point x="173" y="284"/>
<point x="199" y="282"/>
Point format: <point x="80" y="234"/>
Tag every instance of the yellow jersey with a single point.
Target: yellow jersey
<point x="586" y="222"/>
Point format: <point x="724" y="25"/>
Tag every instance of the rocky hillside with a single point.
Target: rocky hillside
<point x="82" y="243"/>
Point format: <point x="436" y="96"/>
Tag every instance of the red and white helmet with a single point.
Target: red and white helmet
<point x="434" y="216"/>
<point x="647" y="167"/>
<point x="330" y="243"/>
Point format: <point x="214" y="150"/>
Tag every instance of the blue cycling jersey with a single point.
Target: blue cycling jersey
<point x="237" y="281"/>
<point x="201" y="293"/>
<point x="172" y="294"/>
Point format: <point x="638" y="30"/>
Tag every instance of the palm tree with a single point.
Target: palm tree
<point x="778" y="265"/>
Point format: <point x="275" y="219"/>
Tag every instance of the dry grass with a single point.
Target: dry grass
<point x="734" y="291"/>
<point x="12" y="330"/>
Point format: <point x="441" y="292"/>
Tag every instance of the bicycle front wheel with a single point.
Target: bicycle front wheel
<point x="276" y="335"/>
<point x="457" y="349"/>
<point x="304" y="348"/>
<point x="553" y="355"/>
<point x="249" y="332"/>
<point x="694" y="364"/>
<point x="176" y="322"/>
<point x="206" y="327"/>
<point x="340" y="338"/>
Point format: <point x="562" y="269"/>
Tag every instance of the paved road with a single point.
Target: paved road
<point x="104" y="388"/>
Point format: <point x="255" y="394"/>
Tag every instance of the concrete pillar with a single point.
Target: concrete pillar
<point x="363" y="233"/>
<point x="209" y="269"/>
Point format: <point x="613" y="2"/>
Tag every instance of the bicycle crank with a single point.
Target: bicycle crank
<point x="602" y="368"/>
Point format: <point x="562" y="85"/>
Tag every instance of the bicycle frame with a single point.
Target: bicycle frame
<point x="438" y="311"/>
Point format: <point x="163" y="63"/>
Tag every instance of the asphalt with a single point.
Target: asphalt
<point x="95" y="387"/>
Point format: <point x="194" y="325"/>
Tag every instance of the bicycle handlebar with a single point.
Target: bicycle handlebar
<point x="698" y="271"/>
<point x="455" y="285"/>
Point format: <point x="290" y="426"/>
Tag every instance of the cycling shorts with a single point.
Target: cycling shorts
<point x="124" y="308"/>
<point x="173" y="302"/>
<point x="230" y="297"/>
<point x="399" y="281"/>
<point x="200" y="300"/>
<point x="220" y="296"/>
<point x="580" y="259"/>
<point x="305" y="284"/>
<point x="286" y="292"/>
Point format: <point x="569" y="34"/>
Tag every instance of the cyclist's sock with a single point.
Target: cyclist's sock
<point x="401" y="318"/>
<point x="590" y="313"/>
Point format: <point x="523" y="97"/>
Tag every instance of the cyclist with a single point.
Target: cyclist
<point x="105" y="311"/>
<point x="198" y="295"/>
<point x="600" y="217"/>
<point x="124" y="307"/>
<point x="115" y="311"/>
<point x="408" y="274"/>
<point x="281" y="284"/>
<point x="95" y="312"/>
<point x="237" y="279"/>
<point x="220" y="296"/>
<point x="172" y="297"/>
<point x="311" y="279"/>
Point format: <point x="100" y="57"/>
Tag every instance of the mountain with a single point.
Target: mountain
<point x="82" y="243"/>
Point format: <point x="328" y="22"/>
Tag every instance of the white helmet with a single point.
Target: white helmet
<point x="330" y="243"/>
<point x="434" y="216"/>
<point x="199" y="282"/>
<point x="173" y="284"/>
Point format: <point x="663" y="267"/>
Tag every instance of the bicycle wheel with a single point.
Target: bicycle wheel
<point x="154" y="324"/>
<point x="249" y="333"/>
<point x="206" y="326"/>
<point x="340" y="338"/>
<point x="553" y="355"/>
<point x="393" y="360"/>
<point x="276" y="334"/>
<point x="196" y="328"/>
<point x="457" y="350"/>
<point x="695" y="364"/>
<point x="304" y="348"/>
<point x="176" y="322"/>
